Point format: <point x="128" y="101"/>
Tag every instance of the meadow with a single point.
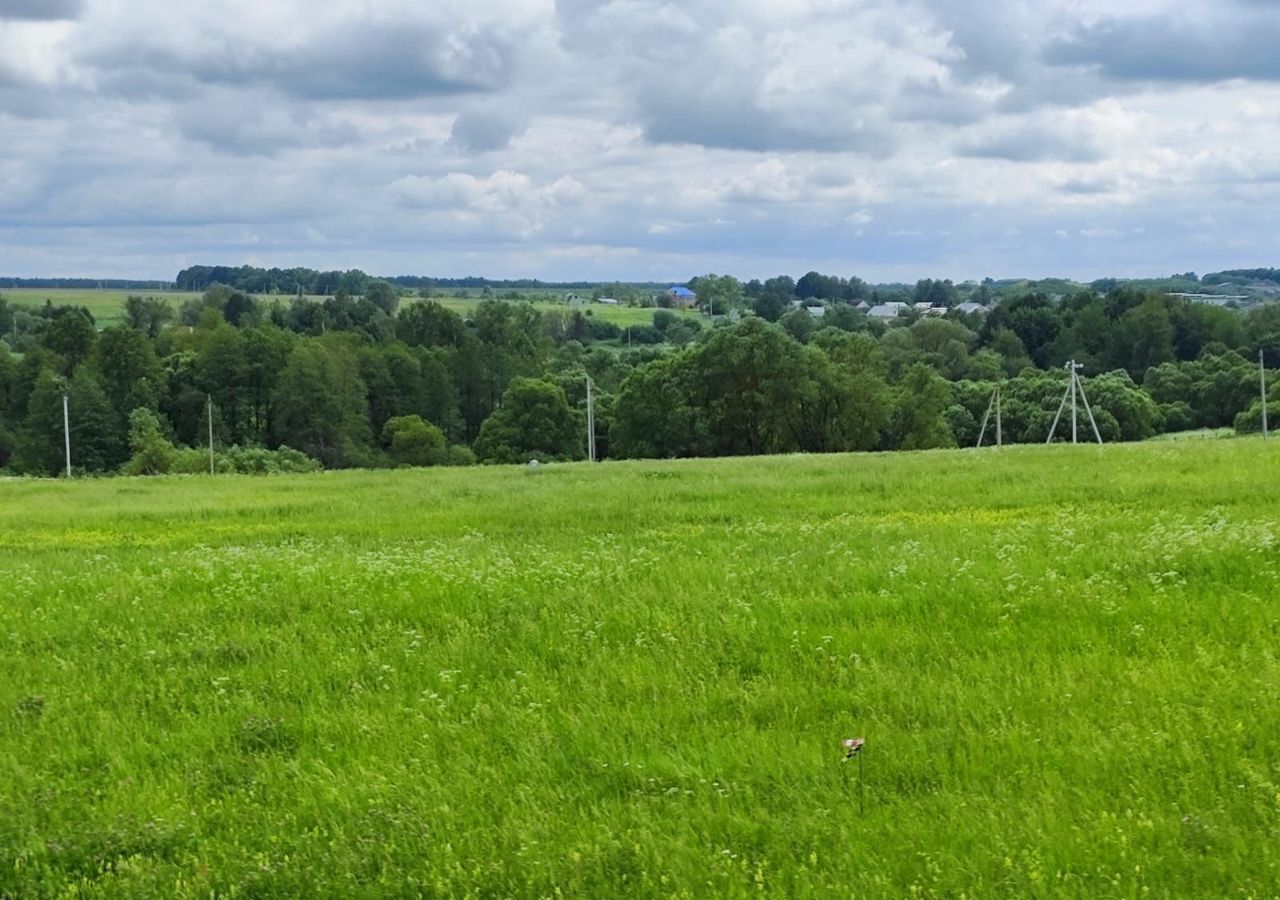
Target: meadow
<point x="107" y="306"/>
<point x="634" y="678"/>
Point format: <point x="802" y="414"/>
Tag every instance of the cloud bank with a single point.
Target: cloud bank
<point x="639" y="138"/>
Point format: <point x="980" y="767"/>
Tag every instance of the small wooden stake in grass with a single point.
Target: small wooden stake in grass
<point x="853" y="747"/>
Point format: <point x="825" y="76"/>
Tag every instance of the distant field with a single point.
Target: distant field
<point x="620" y="315"/>
<point x="107" y="307"/>
<point x="633" y="678"/>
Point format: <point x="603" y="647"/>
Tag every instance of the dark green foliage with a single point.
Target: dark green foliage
<point x="411" y="441"/>
<point x="382" y="295"/>
<point x="750" y="389"/>
<point x="125" y="361"/>
<point x="70" y="334"/>
<point x="920" y="422"/>
<point x="429" y="325"/>
<point x="652" y="416"/>
<point x="38" y="446"/>
<point x="533" y="422"/>
<point x="97" y="430"/>
<point x="328" y="376"/>
<point x="321" y="404"/>
<point x="151" y="453"/>
<point x="148" y="315"/>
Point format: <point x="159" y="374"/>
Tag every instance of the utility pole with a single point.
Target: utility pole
<point x="591" y="423"/>
<point x="210" y="396"/>
<point x="1262" y="372"/>
<point x="1074" y="367"/>
<point x="993" y="403"/>
<point x="999" y="424"/>
<point x="66" y="430"/>
<point x="1073" y="385"/>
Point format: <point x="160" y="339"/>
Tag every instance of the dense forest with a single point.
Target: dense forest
<point x="377" y="378"/>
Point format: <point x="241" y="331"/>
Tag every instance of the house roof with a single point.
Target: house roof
<point x="885" y="310"/>
<point x="679" y="291"/>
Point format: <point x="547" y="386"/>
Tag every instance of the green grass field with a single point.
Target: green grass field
<point x="633" y="678"/>
<point x="107" y="307"/>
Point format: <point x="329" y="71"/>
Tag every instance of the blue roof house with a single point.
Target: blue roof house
<point x="682" y="296"/>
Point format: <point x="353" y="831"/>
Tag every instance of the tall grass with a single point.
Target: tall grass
<point x="634" y="679"/>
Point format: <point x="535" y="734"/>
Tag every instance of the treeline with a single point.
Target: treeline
<point x="365" y="380"/>
<point x="254" y="280"/>
<point x="1243" y="275"/>
<point x="83" y="284"/>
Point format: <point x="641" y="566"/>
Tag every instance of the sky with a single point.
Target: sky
<point x="640" y="139"/>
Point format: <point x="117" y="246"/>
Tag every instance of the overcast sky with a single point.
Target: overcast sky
<point x="640" y="139"/>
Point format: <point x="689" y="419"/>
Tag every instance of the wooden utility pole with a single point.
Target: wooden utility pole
<point x="1262" y="373"/>
<point x="210" y="396"/>
<point x="591" y="423"/>
<point x="66" y="430"/>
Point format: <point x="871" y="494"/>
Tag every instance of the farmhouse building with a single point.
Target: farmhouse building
<point x="681" y="296"/>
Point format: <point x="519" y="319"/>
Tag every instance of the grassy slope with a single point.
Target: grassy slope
<point x="107" y="307"/>
<point x="634" y="677"/>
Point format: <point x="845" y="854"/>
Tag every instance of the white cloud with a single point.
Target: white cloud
<point x="582" y="138"/>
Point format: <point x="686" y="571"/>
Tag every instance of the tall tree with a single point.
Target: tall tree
<point x="321" y="407"/>
<point x="125" y="360"/>
<point x="70" y="333"/>
<point x="920" y="422"/>
<point x="534" y="421"/>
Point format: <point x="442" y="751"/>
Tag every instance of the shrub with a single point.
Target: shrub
<point x="413" y="441"/>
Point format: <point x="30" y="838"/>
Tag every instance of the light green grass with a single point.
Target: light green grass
<point x="107" y="307"/>
<point x="619" y="315"/>
<point x="1197" y="434"/>
<point x="593" y="681"/>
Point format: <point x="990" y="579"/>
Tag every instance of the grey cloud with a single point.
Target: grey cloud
<point x="253" y="125"/>
<point x="994" y="39"/>
<point x="372" y="61"/>
<point x="934" y="103"/>
<point x="1232" y="44"/>
<point x="1088" y="187"/>
<point x="716" y="123"/>
<point x="1032" y="144"/>
<point x="484" y="129"/>
<point x="41" y="10"/>
<point x="688" y="74"/>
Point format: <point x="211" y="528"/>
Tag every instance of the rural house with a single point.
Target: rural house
<point x="681" y="296"/>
